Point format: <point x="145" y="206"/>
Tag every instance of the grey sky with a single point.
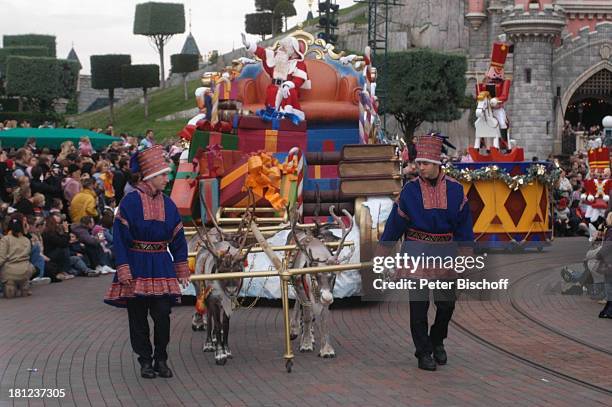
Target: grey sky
<point x="105" y="27"/>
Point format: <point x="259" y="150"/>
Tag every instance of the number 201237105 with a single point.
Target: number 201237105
<point x="37" y="393"/>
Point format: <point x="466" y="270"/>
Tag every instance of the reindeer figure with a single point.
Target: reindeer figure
<point x="220" y="255"/>
<point x="315" y="293"/>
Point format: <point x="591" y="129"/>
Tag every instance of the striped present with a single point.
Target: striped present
<point x="324" y="184"/>
<point x="322" y="171"/>
<point x="209" y="198"/>
<point x="184" y="192"/>
<point x="203" y="139"/>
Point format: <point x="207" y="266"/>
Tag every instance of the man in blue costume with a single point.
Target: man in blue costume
<point x="432" y="209"/>
<point x="151" y="254"/>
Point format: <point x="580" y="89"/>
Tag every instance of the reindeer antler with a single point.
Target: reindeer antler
<point x="206" y="241"/>
<point x="345" y="232"/>
<point x="211" y="215"/>
<point x="293" y="221"/>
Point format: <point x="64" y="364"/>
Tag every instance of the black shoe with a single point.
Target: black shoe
<point x="439" y="354"/>
<point x="146" y="370"/>
<point x="162" y="369"/>
<point x="427" y="363"/>
<point x="607" y="311"/>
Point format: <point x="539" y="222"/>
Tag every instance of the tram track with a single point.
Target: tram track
<point x="511" y="292"/>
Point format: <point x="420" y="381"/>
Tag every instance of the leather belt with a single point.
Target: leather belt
<point x="277" y="81"/>
<point x="412" y="234"/>
<point x="144" y="246"/>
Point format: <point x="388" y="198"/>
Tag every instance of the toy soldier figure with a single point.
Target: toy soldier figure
<point x="497" y="86"/>
<point x="432" y="209"/>
<point x="151" y="253"/>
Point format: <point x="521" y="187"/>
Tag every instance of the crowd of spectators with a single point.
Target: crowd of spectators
<point x="57" y="208"/>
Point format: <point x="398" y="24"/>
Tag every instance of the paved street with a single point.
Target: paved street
<point x="526" y="346"/>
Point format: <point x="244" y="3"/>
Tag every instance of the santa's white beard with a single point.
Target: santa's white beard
<point x="281" y="65"/>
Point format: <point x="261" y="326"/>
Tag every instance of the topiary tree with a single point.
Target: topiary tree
<point x="106" y="74"/>
<point x="285" y="9"/>
<point x="140" y="76"/>
<point x="26" y="51"/>
<point x="183" y="64"/>
<point x="159" y="22"/>
<point x="36" y="78"/>
<point x="261" y="23"/>
<point x="423" y="85"/>
<point x="31" y="40"/>
<point x="275" y="21"/>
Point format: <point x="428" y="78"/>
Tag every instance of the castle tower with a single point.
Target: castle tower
<point x="533" y="27"/>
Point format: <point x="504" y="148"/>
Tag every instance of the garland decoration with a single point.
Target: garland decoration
<point x="535" y="173"/>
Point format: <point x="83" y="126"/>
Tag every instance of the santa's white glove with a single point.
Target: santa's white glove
<point x="246" y="61"/>
<point x="286" y="87"/>
<point x="247" y="44"/>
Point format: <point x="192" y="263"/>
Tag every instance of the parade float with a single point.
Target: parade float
<point x="510" y="198"/>
<point x="293" y="125"/>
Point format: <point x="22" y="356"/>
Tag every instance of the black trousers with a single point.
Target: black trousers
<point x="444" y="300"/>
<point x="138" y="311"/>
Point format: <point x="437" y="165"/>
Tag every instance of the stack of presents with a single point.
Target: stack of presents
<point x="312" y="163"/>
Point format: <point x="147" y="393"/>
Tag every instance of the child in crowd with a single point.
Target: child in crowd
<point x="85" y="147"/>
<point x="78" y="266"/>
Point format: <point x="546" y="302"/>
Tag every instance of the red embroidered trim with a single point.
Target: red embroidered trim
<point x="124" y="273"/>
<point x="143" y="286"/>
<point x="434" y="197"/>
<point x="177" y="229"/>
<point x="122" y="219"/>
<point x="153" y="208"/>
<point x="451" y="179"/>
<point x="182" y="269"/>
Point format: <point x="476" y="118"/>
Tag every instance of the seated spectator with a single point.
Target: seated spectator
<point x="78" y="265"/>
<point x="57" y="206"/>
<point x="38" y="203"/>
<point x="56" y="242"/>
<point x="93" y="245"/>
<point x="23" y="203"/>
<point x="37" y="258"/>
<point x="85" y="147"/>
<point x="71" y="185"/>
<point x="85" y="202"/>
<point x="15" y="266"/>
<point x="104" y="178"/>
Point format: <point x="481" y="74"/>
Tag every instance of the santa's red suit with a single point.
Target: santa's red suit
<point x="288" y="76"/>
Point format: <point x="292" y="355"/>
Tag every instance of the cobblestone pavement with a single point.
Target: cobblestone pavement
<point x="527" y="346"/>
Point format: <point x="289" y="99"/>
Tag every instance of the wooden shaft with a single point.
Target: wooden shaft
<point x="284" y="248"/>
<point x="275" y="273"/>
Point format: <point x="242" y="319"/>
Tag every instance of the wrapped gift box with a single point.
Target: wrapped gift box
<point x="272" y="141"/>
<point x="330" y="139"/>
<point x="231" y="184"/>
<point x="185" y="191"/>
<point x="254" y="122"/>
<point x="203" y="139"/>
<point x="209" y="198"/>
<point x="324" y="184"/>
<point x="213" y="164"/>
<point x="322" y="171"/>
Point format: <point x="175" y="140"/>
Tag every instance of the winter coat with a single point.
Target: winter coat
<point x="83" y="203"/>
<point x="15" y="258"/>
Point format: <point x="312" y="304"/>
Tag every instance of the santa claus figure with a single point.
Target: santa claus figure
<point x="285" y="65"/>
<point x="204" y="102"/>
<point x="497" y="86"/>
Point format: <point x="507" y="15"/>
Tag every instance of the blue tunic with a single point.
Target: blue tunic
<point x="150" y="247"/>
<point x="426" y="213"/>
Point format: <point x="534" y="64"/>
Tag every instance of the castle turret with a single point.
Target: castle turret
<point x="533" y="26"/>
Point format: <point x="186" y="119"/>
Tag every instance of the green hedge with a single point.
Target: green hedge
<point x="35" y="118"/>
<point x="25" y="51"/>
<point x="28" y="40"/>
<point x="140" y="76"/>
<point x="159" y="18"/>
<point x="184" y="63"/>
<point x="33" y="77"/>
<point x="106" y="70"/>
